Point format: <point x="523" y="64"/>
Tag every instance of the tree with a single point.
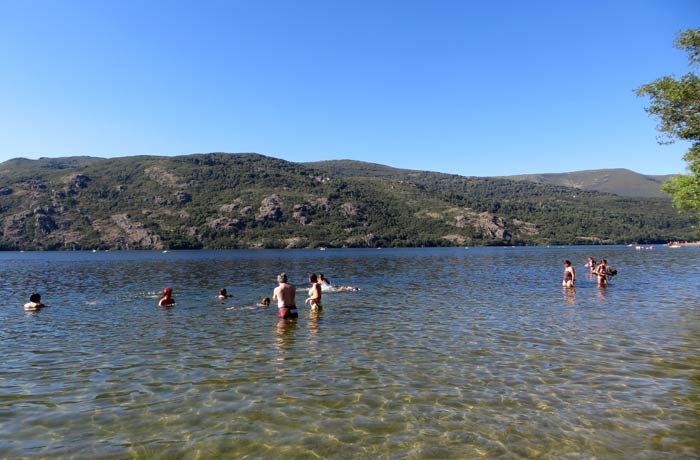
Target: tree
<point x="676" y="104"/>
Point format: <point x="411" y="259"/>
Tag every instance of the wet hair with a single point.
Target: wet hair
<point x="282" y="278"/>
<point x="312" y="277"/>
<point x="36" y="298"/>
<point x="265" y="301"/>
<point x="167" y="291"/>
<point x="567" y="263"/>
<point x="222" y="291"/>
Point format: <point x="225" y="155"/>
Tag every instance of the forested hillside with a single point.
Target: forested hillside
<point x="223" y="200"/>
<point x="561" y="215"/>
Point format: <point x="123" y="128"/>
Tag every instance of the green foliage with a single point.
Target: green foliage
<point x="685" y="189"/>
<point x="689" y="41"/>
<point x="676" y="104"/>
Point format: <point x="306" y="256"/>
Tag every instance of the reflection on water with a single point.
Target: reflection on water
<point x="570" y="295"/>
<point x="444" y="353"/>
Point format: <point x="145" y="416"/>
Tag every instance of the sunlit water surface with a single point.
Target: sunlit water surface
<point x="443" y="353"/>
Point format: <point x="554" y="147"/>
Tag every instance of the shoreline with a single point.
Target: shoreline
<point x="166" y="251"/>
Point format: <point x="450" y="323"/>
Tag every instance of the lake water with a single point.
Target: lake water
<point x="443" y="354"/>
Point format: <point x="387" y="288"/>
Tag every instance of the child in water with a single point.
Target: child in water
<point x="167" y="300"/>
<point x="34" y="302"/>
<point x="264" y="302"/>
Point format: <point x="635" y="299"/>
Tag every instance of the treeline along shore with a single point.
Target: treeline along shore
<point x="247" y="200"/>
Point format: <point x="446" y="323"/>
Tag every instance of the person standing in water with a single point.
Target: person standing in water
<point x="569" y="275"/>
<point x="34" y="302"/>
<point x="590" y="264"/>
<point x="602" y="272"/>
<point x="314" y="299"/>
<point x="285" y="296"/>
<point x="167" y="299"/>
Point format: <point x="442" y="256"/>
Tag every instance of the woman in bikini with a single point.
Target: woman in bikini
<point x="602" y="272"/>
<point x="314" y="299"/>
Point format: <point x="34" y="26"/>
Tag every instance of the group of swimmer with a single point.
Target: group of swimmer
<point x="601" y="270"/>
<point x="284" y="294"/>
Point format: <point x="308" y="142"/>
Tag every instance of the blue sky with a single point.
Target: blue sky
<point x="465" y="87"/>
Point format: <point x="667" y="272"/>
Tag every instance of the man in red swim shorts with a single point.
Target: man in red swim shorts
<point x="285" y="295"/>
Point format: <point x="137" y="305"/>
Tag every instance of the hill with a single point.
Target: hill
<point x="247" y="200"/>
<point x="561" y="214"/>
<point x="618" y="181"/>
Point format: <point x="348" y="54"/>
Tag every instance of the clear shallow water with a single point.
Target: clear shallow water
<point x="444" y="353"/>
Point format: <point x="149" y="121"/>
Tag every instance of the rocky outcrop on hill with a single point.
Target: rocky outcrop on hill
<point x="78" y="181"/>
<point x="351" y="209"/>
<point x="13" y="226"/>
<point x="121" y="232"/>
<point x="302" y="213"/>
<point x="493" y="226"/>
<point x="225" y="223"/>
<point x="43" y="222"/>
<point x="182" y="197"/>
<point x="270" y="209"/>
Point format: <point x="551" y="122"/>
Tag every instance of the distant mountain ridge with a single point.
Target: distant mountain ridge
<point x="620" y="181"/>
<point x="248" y="200"/>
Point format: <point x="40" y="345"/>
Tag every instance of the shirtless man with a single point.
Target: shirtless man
<point x="34" y="303"/>
<point x="285" y="295"/>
